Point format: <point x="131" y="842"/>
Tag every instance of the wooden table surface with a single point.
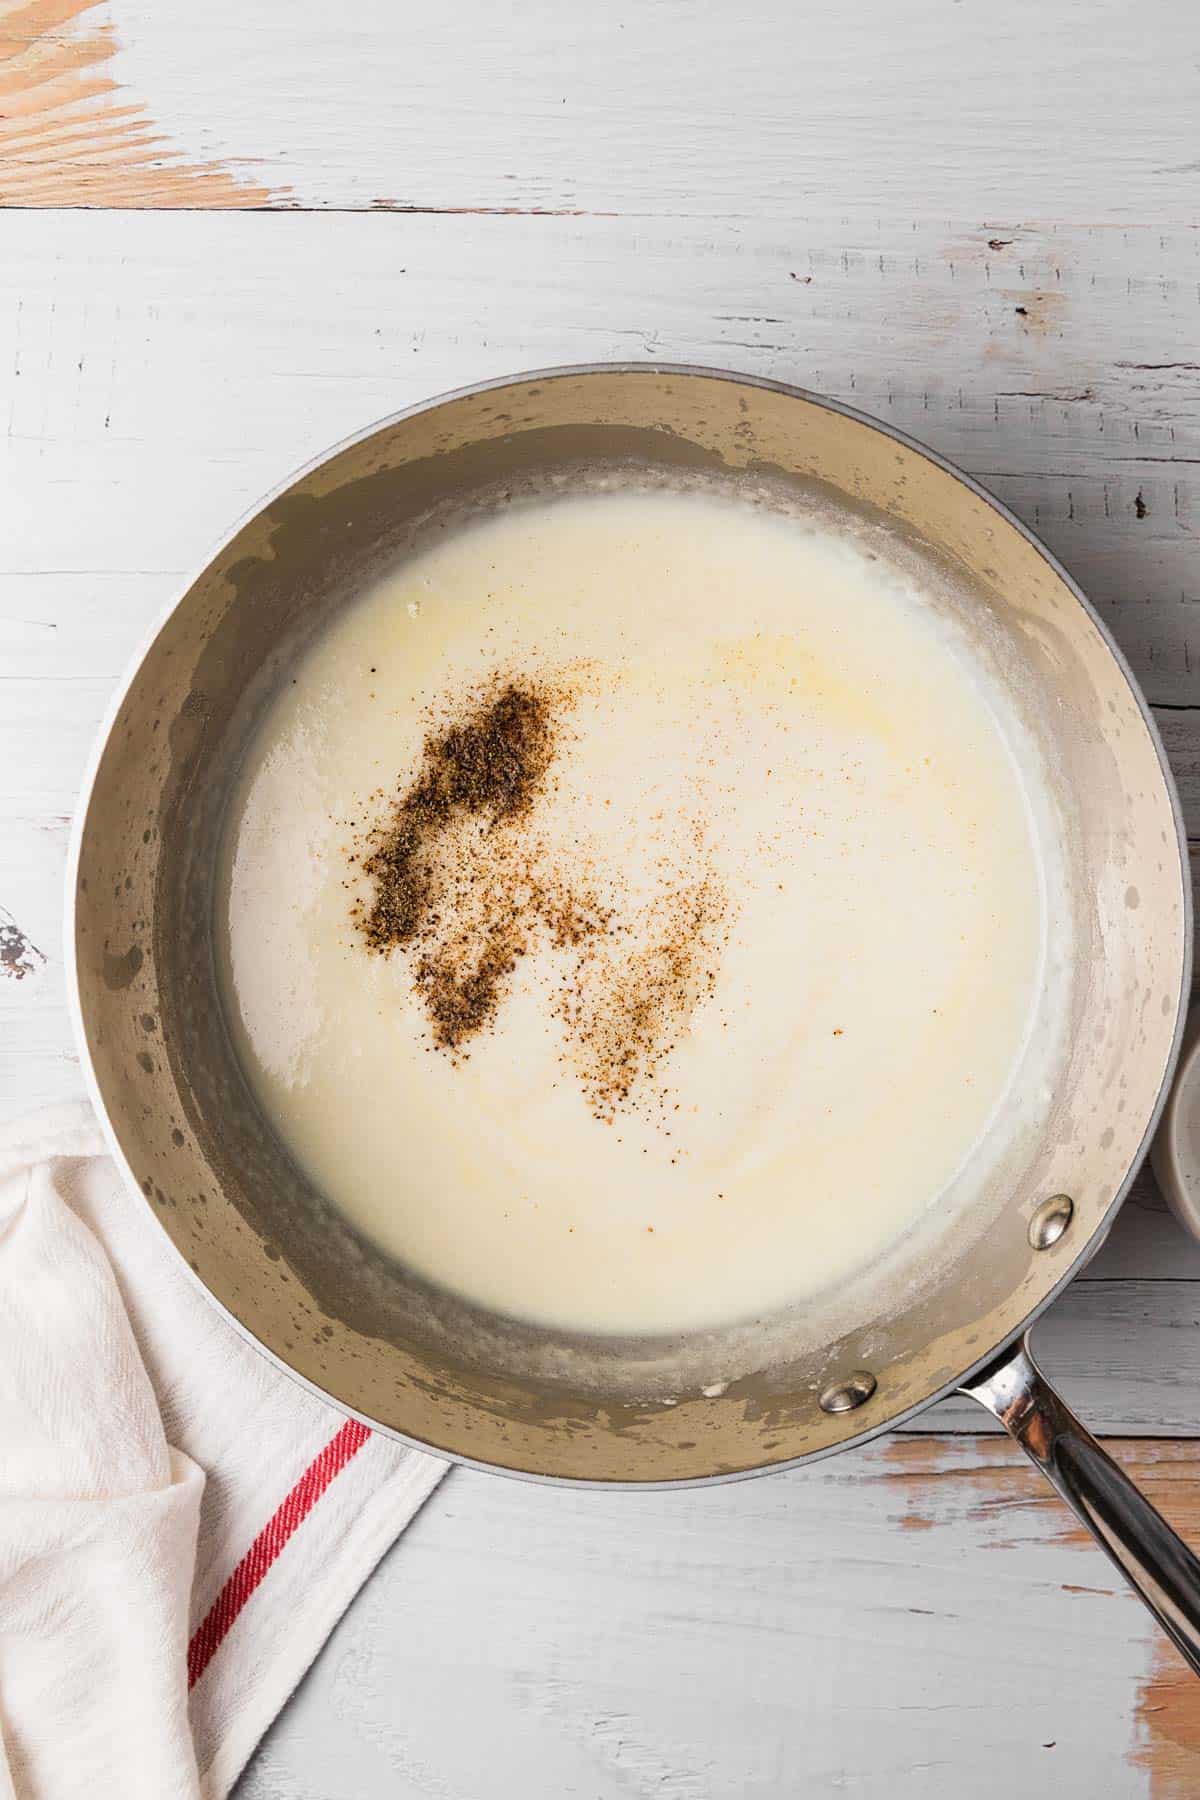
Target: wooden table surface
<point x="233" y="233"/>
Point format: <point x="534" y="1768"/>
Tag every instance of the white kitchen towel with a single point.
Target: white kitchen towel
<point x="181" y="1526"/>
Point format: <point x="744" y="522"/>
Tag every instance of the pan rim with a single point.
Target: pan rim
<point x="472" y="390"/>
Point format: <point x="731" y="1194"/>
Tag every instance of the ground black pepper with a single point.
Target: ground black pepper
<point x="487" y="767"/>
<point x="464" y="883"/>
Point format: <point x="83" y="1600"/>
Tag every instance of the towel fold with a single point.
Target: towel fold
<point x="181" y="1526"/>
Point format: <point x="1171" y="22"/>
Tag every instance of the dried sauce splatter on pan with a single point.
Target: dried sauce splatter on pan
<point x="465" y="884"/>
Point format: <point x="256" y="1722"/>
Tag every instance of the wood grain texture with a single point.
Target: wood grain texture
<point x="920" y="1617"/>
<point x="72" y="134"/>
<point x="1084" y="110"/>
<point x="1167" y="1707"/>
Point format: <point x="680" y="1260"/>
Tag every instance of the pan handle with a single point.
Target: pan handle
<point x="1156" y="1563"/>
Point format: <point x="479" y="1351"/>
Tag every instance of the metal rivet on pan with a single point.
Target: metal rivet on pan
<point x="1050" y="1220"/>
<point x="844" y="1396"/>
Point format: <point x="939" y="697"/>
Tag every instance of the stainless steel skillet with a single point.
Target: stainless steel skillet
<point x="430" y="1368"/>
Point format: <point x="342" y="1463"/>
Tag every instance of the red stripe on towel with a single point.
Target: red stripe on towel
<point x="291" y="1512"/>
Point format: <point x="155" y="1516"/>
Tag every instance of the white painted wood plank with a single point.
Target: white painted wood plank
<point x="246" y="344"/>
<point x="1125" y="1353"/>
<point x="784" y="1636"/>
<point x="1084" y="110"/>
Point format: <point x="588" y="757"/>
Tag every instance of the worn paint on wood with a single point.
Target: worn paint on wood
<point x="782" y="1636"/>
<point x="1084" y="110"/>
<point x="989" y="1480"/>
<point x="71" y="132"/>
